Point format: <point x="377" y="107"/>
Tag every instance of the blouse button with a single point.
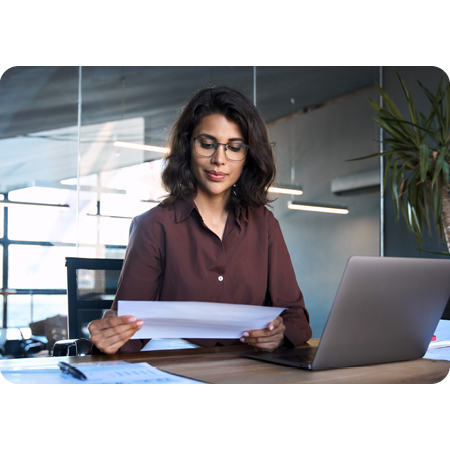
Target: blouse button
<point x="220" y="278"/>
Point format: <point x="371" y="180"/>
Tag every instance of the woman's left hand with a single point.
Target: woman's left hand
<point x="267" y="339"/>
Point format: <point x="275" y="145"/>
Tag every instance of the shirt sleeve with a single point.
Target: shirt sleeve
<point x="283" y="289"/>
<point x="143" y="264"/>
<point x="142" y="270"/>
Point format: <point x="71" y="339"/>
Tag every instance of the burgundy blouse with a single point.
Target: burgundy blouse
<point x="173" y="255"/>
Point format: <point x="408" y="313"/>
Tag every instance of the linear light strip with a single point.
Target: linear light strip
<point x="148" y="148"/>
<point x="279" y="190"/>
<point x="322" y="209"/>
<point x="109" y="217"/>
<point x="40" y="205"/>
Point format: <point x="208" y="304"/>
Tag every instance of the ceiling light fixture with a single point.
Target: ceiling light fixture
<point x="147" y="148"/>
<point x="317" y="208"/>
<point x="289" y="190"/>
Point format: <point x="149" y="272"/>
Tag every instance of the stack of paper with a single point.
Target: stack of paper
<point x="201" y="320"/>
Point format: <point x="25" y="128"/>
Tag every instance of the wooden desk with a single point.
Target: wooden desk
<point x="225" y="365"/>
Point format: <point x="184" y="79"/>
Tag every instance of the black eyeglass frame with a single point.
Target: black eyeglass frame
<point x="217" y="146"/>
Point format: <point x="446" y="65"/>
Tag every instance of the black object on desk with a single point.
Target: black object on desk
<point x="70" y="370"/>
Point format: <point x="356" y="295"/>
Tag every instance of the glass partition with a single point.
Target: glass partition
<point x="123" y="107"/>
<point x="318" y="120"/>
<point x="38" y="149"/>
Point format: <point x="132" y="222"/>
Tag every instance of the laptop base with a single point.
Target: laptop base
<point x="296" y="357"/>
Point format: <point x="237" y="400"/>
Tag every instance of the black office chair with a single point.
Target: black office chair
<point x="91" y="287"/>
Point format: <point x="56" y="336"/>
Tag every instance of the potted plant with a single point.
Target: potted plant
<point x="418" y="161"/>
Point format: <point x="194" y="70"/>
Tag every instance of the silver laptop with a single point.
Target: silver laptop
<point x="385" y="310"/>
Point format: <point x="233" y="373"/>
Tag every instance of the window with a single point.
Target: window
<point x="47" y="224"/>
<point x="24" y="309"/>
<point x="38" y="267"/>
<point x="1" y="222"/>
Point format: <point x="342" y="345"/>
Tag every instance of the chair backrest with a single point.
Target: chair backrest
<point x="91" y="287"/>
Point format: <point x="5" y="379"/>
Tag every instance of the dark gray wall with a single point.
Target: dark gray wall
<point x="320" y="244"/>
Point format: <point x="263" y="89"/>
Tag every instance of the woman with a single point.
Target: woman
<point x="212" y="239"/>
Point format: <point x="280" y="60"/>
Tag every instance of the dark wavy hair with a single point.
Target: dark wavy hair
<point x="259" y="169"/>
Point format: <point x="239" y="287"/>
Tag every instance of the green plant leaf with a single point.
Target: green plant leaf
<point x="437" y="200"/>
<point x="409" y="216"/>
<point x="416" y="227"/>
<point x="447" y="109"/>
<point x="386" y="171"/>
<point x="439" y="166"/>
<point x="394" y="130"/>
<point x="395" y="112"/>
<point x="394" y="190"/>
<point x="375" y="105"/>
<point x="441" y="233"/>
<point x="424" y="152"/>
<point x="373" y="155"/>
<point x="427" y="130"/>
<point x="414" y="119"/>
<point x="391" y="105"/>
<point x="436" y="253"/>
<point x="445" y="170"/>
<point x="394" y="143"/>
<point x="405" y="91"/>
<point x="426" y="124"/>
<point x="424" y="209"/>
<point x="434" y="102"/>
<point x="404" y="209"/>
<point x="414" y="177"/>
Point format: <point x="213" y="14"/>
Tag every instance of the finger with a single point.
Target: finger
<point x="265" y="332"/>
<point x="109" y="332"/>
<point x="114" y="342"/>
<point x="117" y="321"/>
<point x="110" y="313"/>
<point x="112" y="322"/>
<point x="275" y="323"/>
<point x="270" y="345"/>
<point x="267" y="346"/>
<point x="250" y="336"/>
<point x="272" y="328"/>
<point x="263" y="340"/>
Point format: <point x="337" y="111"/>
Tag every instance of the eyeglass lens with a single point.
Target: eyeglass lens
<point x="206" y="147"/>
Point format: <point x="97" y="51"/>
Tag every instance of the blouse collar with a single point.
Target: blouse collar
<point x="184" y="207"/>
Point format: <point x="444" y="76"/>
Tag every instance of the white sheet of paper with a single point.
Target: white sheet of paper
<point x="199" y="320"/>
<point x="442" y="333"/>
<point x="97" y="373"/>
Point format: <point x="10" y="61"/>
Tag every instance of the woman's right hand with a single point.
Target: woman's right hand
<point x="111" y="332"/>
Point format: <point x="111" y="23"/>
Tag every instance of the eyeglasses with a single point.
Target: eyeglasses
<point x="235" y="151"/>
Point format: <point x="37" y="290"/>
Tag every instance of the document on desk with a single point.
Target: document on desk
<point x="118" y="372"/>
<point x="201" y="320"/>
<point x="440" y="348"/>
